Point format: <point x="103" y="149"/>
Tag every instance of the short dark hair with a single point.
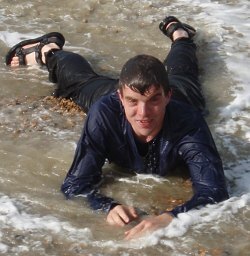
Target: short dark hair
<point x="141" y="72"/>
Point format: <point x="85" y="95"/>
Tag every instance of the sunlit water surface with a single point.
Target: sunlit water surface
<point x="38" y="136"/>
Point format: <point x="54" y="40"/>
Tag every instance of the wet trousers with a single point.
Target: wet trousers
<point x="75" y="78"/>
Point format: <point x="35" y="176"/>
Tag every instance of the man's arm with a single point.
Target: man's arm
<point x="85" y="174"/>
<point x="208" y="179"/>
<point x="149" y="225"/>
<point x="206" y="171"/>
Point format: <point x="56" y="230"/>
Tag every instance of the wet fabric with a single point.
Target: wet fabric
<point x="184" y="139"/>
<point x="75" y="79"/>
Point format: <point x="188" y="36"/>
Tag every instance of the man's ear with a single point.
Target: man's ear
<point x="168" y="96"/>
<point x="120" y="95"/>
<point x="170" y="93"/>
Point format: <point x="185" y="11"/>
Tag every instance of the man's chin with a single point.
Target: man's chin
<point x="144" y="127"/>
<point x="144" y="132"/>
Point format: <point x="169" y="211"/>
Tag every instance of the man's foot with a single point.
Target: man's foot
<point x="174" y="29"/>
<point x="32" y="51"/>
<point x="178" y="33"/>
<point x="30" y="58"/>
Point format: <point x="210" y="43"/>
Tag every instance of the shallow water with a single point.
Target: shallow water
<point x="38" y="135"/>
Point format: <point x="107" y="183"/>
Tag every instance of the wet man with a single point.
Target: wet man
<point x="149" y="121"/>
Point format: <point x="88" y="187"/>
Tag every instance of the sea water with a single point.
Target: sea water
<point x="38" y="136"/>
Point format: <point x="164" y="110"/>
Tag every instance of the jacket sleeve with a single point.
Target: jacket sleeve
<point x="85" y="173"/>
<point x="205" y="166"/>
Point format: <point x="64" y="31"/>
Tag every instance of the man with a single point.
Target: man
<point x="148" y="121"/>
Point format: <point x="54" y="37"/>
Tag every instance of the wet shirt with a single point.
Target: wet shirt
<point x="184" y="138"/>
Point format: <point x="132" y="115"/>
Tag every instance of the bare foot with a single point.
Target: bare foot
<point x="30" y="58"/>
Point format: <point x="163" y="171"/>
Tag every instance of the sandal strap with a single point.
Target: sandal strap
<point x="175" y="26"/>
<point x="163" y="25"/>
<point x="45" y="41"/>
<point x="20" y="52"/>
<point x="172" y="28"/>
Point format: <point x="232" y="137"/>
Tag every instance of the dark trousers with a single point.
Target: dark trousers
<point x="76" y="79"/>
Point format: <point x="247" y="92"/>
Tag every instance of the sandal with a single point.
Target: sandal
<point x="173" y="27"/>
<point x="17" y="50"/>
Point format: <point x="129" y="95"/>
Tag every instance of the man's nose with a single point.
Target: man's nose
<point x="142" y="109"/>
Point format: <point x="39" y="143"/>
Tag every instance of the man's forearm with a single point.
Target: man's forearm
<point x="212" y="196"/>
<point x="100" y="202"/>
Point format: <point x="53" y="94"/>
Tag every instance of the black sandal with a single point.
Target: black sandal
<point x="17" y="50"/>
<point x="172" y="28"/>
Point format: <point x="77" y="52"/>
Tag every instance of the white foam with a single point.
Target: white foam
<point x="3" y="248"/>
<point x="139" y="178"/>
<point x="229" y="25"/>
<point x="217" y="17"/>
<point x="239" y="176"/>
<point x="197" y="220"/>
<point x="11" y="38"/>
<point x="11" y="216"/>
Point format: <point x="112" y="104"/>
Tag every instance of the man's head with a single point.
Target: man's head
<point x="144" y="92"/>
<point x="141" y="72"/>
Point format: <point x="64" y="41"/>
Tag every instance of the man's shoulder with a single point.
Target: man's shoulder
<point x="107" y="104"/>
<point x="107" y="111"/>
<point x="105" y="117"/>
<point x="182" y="119"/>
<point x="181" y="110"/>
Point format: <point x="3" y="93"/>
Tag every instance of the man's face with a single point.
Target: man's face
<point x="145" y="112"/>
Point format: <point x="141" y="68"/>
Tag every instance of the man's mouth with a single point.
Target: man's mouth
<point x="144" y="123"/>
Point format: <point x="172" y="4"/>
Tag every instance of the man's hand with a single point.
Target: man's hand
<point x="121" y="215"/>
<point x="148" y="225"/>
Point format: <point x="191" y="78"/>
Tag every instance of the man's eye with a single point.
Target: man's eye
<point x="132" y="101"/>
<point x="155" y="99"/>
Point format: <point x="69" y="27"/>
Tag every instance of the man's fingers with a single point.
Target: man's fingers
<point x="136" y="231"/>
<point x="121" y="215"/>
<point x="133" y="212"/>
<point x="118" y="220"/>
<point x="149" y="225"/>
<point x="114" y="219"/>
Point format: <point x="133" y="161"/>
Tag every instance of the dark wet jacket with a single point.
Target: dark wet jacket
<point x="184" y="138"/>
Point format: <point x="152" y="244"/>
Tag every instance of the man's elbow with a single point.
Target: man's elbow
<point x="220" y="194"/>
<point x="69" y="189"/>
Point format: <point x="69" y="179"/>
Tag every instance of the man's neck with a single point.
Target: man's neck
<point x="146" y="139"/>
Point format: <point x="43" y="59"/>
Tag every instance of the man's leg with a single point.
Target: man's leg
<point x="74" y="76"/>
<point x="182" y="67"/>
<point x="76" y="79"/>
